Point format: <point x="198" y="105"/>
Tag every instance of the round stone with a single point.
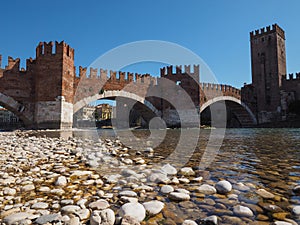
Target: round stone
<point x="189" y="222"/>
<point x="177" y="196"/>
<point x="223" y="187"/>
<point x="282" y="223"/>
<point x="9" y="191"/>
<point x="47" y="219"/>
<point x="40" y="205"/>
<point x="128" y="193"/>
<point x="159" y="178"/>
<point x="28" y="187"/>
<point x="206" y="189"/>
<point x="95" y="218"/>
<point x="61" y="181"/>
<point x="134" y="210"/>
<point x="16" y="217"/>
<point x="187" y="171"/>
<point x="242" y="211"/>
<point x="265" y="194"/>
<point x="166" y="189"/>
<point x="128" y="220"/>
<point x="70" y="209"/>
<point x="296" y="210"/>
<point x="168" y="169"/>
<point x="99" y="205"/>
<point x="297" y="189"/>
<point x="107" y="217"/>
<point x="213" y="219"/>
<point x="83" y="214"/>
<point x="153" y="207"/>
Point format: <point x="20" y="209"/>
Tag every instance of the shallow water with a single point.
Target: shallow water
<point x="266" y="158"/>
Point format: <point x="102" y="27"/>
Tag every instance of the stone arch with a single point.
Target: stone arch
<point x="113" y="94"/>
<point x="238" y="102"/>
<point x="15" y="107"/>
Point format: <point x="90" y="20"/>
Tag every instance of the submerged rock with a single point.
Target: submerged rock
<point x="223" y="187"/>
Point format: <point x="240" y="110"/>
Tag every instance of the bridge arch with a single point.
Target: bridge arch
<point x="114" y="94"/>
<point x="14" y="106"/>
<point x="237" y="104"/>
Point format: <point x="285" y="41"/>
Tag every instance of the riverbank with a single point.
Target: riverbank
<point x="83" y="181"/>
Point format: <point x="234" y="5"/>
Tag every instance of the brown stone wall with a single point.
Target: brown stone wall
<point x="292" y="85"/>
<point x="268" y="61"/>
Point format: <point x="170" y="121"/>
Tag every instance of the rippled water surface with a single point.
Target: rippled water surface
<point x="264" y="158"/>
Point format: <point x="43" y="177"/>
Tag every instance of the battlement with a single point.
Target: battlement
<point x="48" y="49"/>
<point x="291" y="77"/>
<point x="267" y="30"/>
<point x="169" y="70"/>
<point x="13" y="64"/>
<point x="115" y="76"/>
<point x="219" y="87"/>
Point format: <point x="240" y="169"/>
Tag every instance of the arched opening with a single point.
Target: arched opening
<point x="9" y="120"/>
<point x="237" y="113"/>
<point x="12" y="114"/>
<point x="130" y="110"/>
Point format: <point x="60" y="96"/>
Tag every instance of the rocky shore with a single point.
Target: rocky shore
<point x="73" y="181"/>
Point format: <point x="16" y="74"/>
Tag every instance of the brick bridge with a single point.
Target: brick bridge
<point x="48" y="92"/>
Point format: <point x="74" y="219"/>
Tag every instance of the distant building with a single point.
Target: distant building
<point x="7" y="116"/>
<point x="104" y="112"/>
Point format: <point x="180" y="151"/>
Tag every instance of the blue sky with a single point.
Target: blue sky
<point x="217" y="31"/>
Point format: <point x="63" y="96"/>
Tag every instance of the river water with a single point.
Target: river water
<point x="264" y="158"/>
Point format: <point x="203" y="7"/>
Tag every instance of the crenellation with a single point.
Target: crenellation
<point x="137" y="77"/>
<point x="82" y="71"/>
<point x="48" y="48"/>
<point x="13" y="64"/>
<point x="122" y="76"/>
<point x="196" y="70"/>
<point x="93" y="73"/>
<point x="267" y="30"/>
<point x="179" y="70"/>
<point x="291" y="76"/>
<point x="163" y="72"/>
<point x="130" y="77"/>
<point x="170" y="70"/>
<point x="30" y="64"/>
<point x="40" y="49"/>
<point x="187" y="69"/>
<point x="103" y="74"/>
<point x="113" y="75"/>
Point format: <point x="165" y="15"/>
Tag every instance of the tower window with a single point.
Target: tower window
<point x="268" y="99"/>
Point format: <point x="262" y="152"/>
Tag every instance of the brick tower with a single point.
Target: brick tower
<point x="54" y="79"/>
<point x="268" y="61"/>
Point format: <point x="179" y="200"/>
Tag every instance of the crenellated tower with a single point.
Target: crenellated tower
<point x="54" y="81"/>
<point x="268" y="61"/>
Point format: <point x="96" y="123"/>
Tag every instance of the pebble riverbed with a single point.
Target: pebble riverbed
<point x="73" y="181"/>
